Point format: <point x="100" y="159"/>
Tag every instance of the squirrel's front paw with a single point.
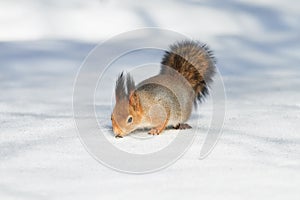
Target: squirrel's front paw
<point x="154" y="131"/>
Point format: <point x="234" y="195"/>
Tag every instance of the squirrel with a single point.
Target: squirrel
<point x="167" y="99"/>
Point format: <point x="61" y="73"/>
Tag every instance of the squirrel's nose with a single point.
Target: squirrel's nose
<point x="118" y="133"/>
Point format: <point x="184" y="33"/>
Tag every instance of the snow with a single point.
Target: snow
<point x="257" y="45"/>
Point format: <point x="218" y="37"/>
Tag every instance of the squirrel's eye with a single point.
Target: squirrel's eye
<point x="129" y="120"/>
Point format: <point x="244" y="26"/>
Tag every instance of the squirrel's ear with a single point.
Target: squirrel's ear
<point x="120" y="92"/>
<point x="130" y="84"/>
<point x="134" y="101"/>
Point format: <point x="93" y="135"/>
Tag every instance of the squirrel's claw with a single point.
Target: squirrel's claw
<point x="154" y="131"/>
<point x="182" y="126"/>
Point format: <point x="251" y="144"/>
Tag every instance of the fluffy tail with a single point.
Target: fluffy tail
<point x="194" y="61"/>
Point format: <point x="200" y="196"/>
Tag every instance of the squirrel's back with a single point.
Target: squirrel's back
<point x="194" y="61"/>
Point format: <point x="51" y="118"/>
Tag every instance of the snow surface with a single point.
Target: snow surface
<point x="257" y="45"/>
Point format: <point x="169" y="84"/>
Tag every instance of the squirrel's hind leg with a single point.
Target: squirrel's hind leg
<point x="182" y="126"/>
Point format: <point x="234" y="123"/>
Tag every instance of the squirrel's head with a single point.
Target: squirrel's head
<point x="127" y="112"/>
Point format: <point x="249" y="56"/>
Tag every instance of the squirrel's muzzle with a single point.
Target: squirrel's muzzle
<point x="116" y="129"/>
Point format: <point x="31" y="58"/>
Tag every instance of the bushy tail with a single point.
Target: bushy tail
<point x="194" y="61"/>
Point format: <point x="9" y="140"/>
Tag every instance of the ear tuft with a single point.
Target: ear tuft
<point x="130" y="84"/>
<point x="120" y="92"/>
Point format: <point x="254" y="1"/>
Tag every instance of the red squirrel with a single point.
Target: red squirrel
<point x="164" y="100"/>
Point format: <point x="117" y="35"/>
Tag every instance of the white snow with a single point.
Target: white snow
<point x="257" y="44"/>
